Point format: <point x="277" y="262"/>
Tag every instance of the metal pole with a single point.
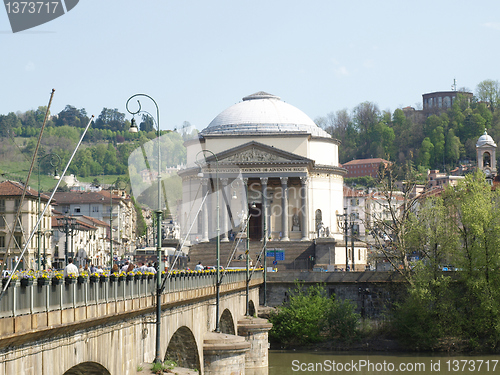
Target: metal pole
<point x="39" y="206"/>
<point x="158" y="286"/>
<point x="158" y="358"/>
<point x="44" y="262"/>
<point x="352" y="245"/>
<point x="265" y="262"/>
<point x="72" y="229"/>
<point x="346" y="240"/>
<point x="66" y="229"/>
<point x="217" y="327"/>
<point x="111" y="225"/>
<point x="247" y="312"/>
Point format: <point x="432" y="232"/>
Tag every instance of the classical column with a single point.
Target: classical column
<point x="284" y="209"/>
<point x="244" y="197"/>
<point x="223" y="212"/>
<point x="304" y="208"/>
<point x="204" y="238"/>
<point x="263" y="183"/>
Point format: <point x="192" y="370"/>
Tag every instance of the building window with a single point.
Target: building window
<point x="2" y="241"/>
<point x="19" y="223"/>
<point x="2" y="205"/>
<point x="19" y="239"/>
<point x="77" y="210"/>
<point x="95" y="208"/>
<point x="17" y="202"/>
<point x="2" y="221"/>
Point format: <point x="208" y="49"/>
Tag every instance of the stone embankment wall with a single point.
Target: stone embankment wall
<point x="372" y="292"/>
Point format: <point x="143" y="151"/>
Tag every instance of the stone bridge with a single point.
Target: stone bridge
<point x="109" y="327"/>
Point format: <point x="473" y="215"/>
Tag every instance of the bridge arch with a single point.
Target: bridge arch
<point x="226" y="323"/>
<point x="182" y="349"/>
<point x="87" y="368"/>
<point x="251" y="308"/>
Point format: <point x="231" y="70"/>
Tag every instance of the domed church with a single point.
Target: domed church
<point x="269" y="157"/>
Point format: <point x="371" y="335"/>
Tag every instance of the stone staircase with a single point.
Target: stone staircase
<point x="297" y="254"/>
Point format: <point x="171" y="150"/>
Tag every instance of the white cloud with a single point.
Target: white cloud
<point x="492" y="25"/>
<point x="339" y="69"/>
<point x="368" y="64"/>
<point x="342" y="70"/>
<point x="29" y="67"/>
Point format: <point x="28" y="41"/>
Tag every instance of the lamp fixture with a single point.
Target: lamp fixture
<point x="133" y="127"/>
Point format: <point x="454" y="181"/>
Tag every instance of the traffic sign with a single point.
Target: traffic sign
<point x="277" y="254"/>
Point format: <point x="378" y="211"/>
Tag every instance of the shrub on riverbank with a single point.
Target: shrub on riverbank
<point x="310" y="316"/>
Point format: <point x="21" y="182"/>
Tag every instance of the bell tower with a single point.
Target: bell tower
<point x="486" y="155"/>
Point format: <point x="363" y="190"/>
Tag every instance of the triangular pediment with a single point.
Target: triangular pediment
<point x="255" y="152"/>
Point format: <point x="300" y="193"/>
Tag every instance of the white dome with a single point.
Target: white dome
<point x="263" y="113"/>
<point x="485" y="140"/>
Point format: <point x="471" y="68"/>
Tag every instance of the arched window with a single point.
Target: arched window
<point x="486" y="159"/>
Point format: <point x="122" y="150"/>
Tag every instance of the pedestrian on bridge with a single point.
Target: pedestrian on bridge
<point x="70" y="268"/>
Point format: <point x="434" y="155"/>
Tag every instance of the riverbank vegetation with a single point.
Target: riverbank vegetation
<point x="310" y="317"/>
<point x="458" y="229"/>
<point x="456" y="310"/>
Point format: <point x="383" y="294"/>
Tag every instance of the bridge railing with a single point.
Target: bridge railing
<point x="36" y="298"/>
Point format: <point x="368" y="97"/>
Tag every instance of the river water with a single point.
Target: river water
<point x="298" y="362"/>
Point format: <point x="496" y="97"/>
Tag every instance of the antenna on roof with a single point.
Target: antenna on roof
<point x="454" y="86"/>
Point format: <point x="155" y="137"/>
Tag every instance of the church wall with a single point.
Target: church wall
<point x="326" y="194"/>
<point x="323" y="153"/>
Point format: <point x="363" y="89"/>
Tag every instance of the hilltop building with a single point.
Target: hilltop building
<point x="364" y="167"/>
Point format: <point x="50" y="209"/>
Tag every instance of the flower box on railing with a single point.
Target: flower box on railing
<point x="82" y="279"/>
<point x="41" y="281"/>
<point x="26" y="282"/>
<point x="12" y="282"/>
<point x="93" y="279"/>
<point x="103" y="278"/>
<point x="70" y="280"/>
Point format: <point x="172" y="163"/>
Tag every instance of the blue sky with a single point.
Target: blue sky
<point x="197" y="58"/>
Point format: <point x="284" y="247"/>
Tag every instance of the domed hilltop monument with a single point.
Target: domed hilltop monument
<point x="288" y="167"/>
<point x="486" y="155"/>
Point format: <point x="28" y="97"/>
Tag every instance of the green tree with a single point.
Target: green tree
<point x="489" y="91"/>
<point x="426" y="152"/>
<point x="72" y="116"/>
<point x="147" y="124"/>
<point x="452" y="147"/>
<point x="310" y="317"/>
<point x="110" y="119"/>
<point x="459" y="228"/>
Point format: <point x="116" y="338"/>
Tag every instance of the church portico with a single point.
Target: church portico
<point x="274" y="187"/>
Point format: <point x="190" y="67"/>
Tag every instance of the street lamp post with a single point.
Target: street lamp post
<point x="47" y="235"/>
<point x="344" y="225"/>
<point x="217" y="248"/>
<point x="111" y="225"/>
<point x="158" y="212"/>
<point x="69" y="226"/>
<point x="54" y="165"/>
